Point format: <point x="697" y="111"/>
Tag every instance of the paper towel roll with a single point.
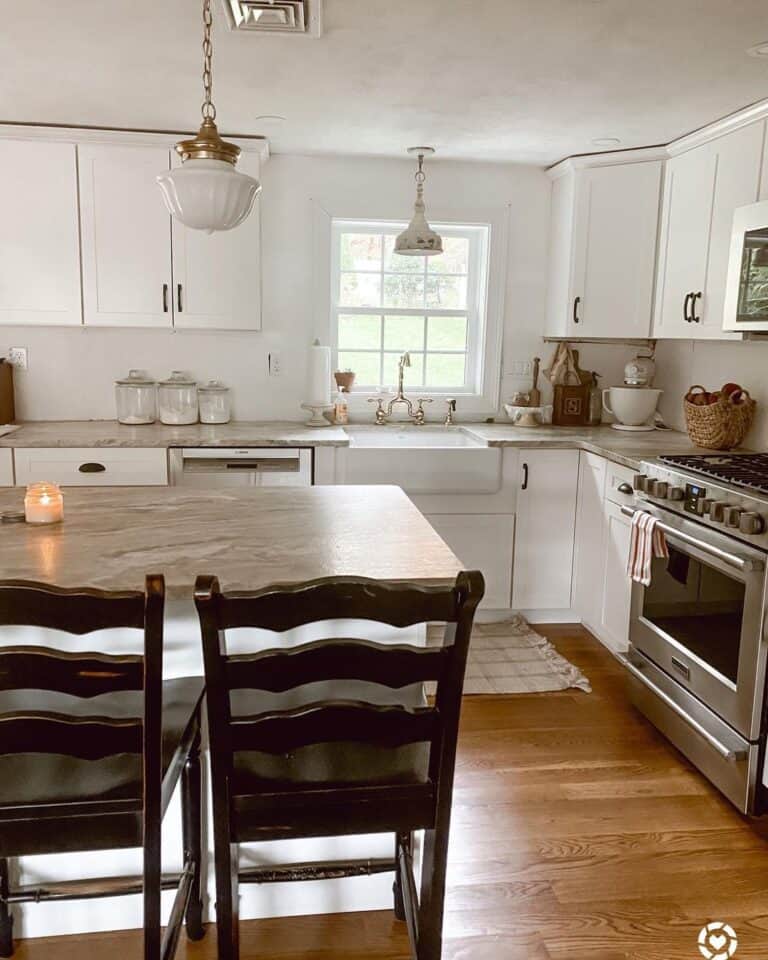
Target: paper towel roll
<point x="319" y="380"/>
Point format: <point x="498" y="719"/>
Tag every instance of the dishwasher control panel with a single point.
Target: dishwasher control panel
<point x="240" y="466"/>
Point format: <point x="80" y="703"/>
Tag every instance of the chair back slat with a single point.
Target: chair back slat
<point x="338" y="659"/>
<point x="87" y="738"/>
<point x="77" y="674"/>
<point x="77" y="611"/>
<point x="285" y="606"/>
<point x="333" y="722"/>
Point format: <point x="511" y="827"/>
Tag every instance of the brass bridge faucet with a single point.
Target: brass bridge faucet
<point x="384" y="413"/>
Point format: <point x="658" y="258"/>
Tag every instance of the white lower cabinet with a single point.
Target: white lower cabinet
<point x="588" y="542"/>
<point x="92" y="467"/>
<point x="613" y="625"/>
<point x="544" y="530"/>
<point x="6" y="467"/>
<point x="482" y="542"/>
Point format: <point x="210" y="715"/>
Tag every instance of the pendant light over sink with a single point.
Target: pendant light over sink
<point x="419" y="239"/>
<point x="206" y="192"/>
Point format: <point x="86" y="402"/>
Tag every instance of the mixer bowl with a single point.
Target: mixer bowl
<point x="631" y="406"/>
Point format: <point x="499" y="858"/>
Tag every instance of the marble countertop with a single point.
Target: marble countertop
<point x="621" y="447"/>
<point x="112" y="537"/>
<point x="110" y="433"/>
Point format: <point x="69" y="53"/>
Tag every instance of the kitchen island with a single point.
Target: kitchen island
<point x="249" y="538"/>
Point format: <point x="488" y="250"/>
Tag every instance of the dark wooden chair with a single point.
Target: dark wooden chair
<point x="335" y="737"/>
<point x="91" y="748"/>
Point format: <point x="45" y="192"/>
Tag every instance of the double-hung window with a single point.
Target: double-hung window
<point x="384" y="304"/>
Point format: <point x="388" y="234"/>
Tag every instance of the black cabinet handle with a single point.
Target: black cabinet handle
<point x="686" y="315"/>
<point x="178" y="297"/>
<point x="694" y="298"/>
<point x="91" y="468"/>
<point x="525" y="477"/>
<point x="576" y="303"/>
<point x="165" y="298"/>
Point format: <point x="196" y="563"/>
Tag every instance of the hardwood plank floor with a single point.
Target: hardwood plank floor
<point x="579" y="834"/>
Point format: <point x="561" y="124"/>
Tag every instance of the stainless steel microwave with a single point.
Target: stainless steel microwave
<point x="746" y="295"/>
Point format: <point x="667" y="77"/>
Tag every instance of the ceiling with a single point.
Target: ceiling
<point x="529" y="81"/>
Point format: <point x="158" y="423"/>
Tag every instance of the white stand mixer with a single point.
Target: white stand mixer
<point x="634" y="404"/>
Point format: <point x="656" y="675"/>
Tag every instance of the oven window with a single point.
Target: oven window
<point x="699" y="607"/>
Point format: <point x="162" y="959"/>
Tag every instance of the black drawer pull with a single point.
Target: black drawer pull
<point x="92" y="468"/>
<point x="625" y="488"/>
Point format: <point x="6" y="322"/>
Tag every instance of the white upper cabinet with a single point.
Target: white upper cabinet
<point x="702" y="189"/>
<point x="126" y="233"/>
<point x="39" y="243"/>
<point x="604" y="226"/>
<point x="217" y="277"/>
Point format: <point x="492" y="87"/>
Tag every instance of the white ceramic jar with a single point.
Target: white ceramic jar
<point x="136" y="399"/>
<point x="214" y="400"/>
<point x="177" y="399"/>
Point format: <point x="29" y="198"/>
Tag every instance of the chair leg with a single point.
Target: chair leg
<point x="6" y="919"/>
<point x="433" y="873"/>
<point x="397" y="886"/>
<point x="191" y="809"/>
<point x="152" y="888"/>
<point x="227" y="858"/>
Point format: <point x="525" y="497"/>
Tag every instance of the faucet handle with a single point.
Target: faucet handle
<point x="419" y="417"/>
<point x="381" y="417"/>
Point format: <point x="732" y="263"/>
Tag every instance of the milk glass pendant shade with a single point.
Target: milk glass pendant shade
<point x="419" y="239"/>
<point x="206" y="192"/>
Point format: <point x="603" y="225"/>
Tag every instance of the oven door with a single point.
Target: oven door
<point x="701" y="619"/>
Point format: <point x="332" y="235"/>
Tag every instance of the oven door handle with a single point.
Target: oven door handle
<point x="744" y="564"/>
<point x="733" y="756"/>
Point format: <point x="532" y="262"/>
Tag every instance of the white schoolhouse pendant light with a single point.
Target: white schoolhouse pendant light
<point x="419" y="239"/>
<point x="206" y="192"/>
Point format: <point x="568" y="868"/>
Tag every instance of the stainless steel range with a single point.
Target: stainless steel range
<point x="697" y="656"/>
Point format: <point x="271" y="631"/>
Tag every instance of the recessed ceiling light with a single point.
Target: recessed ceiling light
<point x="606" y="141"/>
<point x="270" y="118"/>
<point x="759" y="50"/>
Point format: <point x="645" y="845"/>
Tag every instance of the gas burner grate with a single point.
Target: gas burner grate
<point x="748" y="470"/>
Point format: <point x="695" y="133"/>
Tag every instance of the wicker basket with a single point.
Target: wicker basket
<point x="719" y="426"/>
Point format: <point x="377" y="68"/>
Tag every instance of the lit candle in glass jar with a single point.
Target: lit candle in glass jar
<point x="43" y="503"/>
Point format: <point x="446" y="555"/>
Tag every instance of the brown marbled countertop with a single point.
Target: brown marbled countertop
<point x="112" y="537"/>
<point x="621" y="447"/>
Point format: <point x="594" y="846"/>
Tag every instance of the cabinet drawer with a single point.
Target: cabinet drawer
<point x="616" y="476"/>
<point x="90" y="467"/>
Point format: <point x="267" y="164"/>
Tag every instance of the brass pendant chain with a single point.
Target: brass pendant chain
<point x="208" y="109"/>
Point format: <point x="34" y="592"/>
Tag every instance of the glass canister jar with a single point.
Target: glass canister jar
<point x="177" y="399"/>
<point x="136" y="398"/>
<point x="214" y="400"/>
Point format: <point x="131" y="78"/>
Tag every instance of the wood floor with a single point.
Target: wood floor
<point x="579" y="834"/>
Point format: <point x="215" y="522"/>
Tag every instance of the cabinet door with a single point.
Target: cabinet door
<point x="688" y="196"/>
<point x="737" y="182"/>
<point x="217" y="276"/>
<point x="588" y="541"/>
<point x="6" y="467"/>
<point x="617" y="219"/>
<point x="544" y="529"/>
<point x="559" y="285"/>
<point x="126" y="236"/>
<point x="92" y="466"/>
<point x="40" y="261"/>
<point x="613" y="628"/>
<point x="483" y="543"/>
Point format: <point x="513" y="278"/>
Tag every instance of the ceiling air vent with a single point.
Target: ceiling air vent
<point x="274" y="16"/>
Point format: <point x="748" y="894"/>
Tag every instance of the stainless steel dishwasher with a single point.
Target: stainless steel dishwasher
<point x="240" y="466"/>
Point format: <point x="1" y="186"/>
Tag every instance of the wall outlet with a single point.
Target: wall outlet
<point x="275" y="364"/>
<point x="17" y="356"/>
<point x="520" y="368"/>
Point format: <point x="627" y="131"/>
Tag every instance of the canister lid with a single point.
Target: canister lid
<point x="178" y="378"/>
<point x="136" y="378"/>
<point x="213" y="386"/>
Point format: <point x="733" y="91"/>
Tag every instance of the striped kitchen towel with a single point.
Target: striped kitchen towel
<point x="646" y="543"/>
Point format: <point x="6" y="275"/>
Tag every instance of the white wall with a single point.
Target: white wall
<point x="682" y="363"/>
<point x="71" y="372"/>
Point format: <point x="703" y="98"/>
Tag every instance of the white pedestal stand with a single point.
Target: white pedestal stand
<point x="317" y="419"/>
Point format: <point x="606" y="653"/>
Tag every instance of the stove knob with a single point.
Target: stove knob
<point x="703" y="505"/>
<point x="731" y="516"/>
<point x="660" y="489"/>
<point x="640" y="482"/>
<point x="676" y="493"/>
<point x="717" y="510"/>
<point x="751" y="523"/>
